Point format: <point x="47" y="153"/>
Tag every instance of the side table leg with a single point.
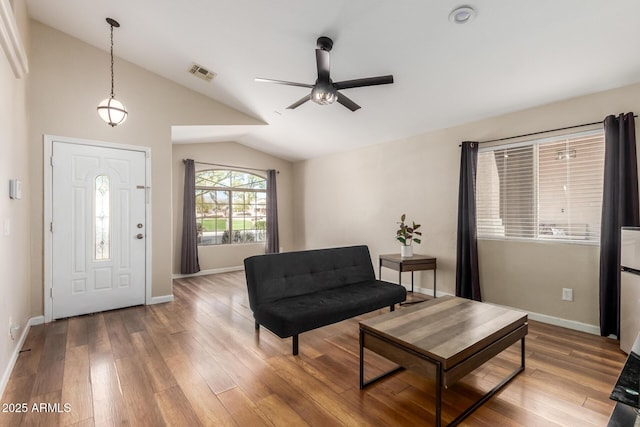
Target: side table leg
<point x="434" y="283"/>
<point x="412" y="281"/>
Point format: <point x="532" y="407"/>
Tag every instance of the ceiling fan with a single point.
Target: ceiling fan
<point x="325" y="91"/>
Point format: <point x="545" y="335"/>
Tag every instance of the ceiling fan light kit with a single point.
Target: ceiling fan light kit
<point x="112" y="111"/>
<point x="325" y="91"/>
<point x="324" y="94"/>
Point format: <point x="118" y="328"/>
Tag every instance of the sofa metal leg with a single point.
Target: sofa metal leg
<point x="295" y="345"/>
<point x="257" y="326"/>
<point x="392" y="307"/>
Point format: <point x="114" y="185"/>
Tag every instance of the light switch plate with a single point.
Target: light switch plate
<point x="15" y="189"/>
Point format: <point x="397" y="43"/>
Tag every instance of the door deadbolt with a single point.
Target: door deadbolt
<point x="139" y="236"/>
<point x="140" y="225"/>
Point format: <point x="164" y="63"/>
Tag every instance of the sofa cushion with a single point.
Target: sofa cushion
<point x="273" y="277"/>
<point x="290" y="316"/>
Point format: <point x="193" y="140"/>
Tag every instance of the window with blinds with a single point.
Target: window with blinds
<point x="549" y="189"/>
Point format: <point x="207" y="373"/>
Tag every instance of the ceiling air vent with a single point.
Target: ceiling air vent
<point x="202" y="72"/>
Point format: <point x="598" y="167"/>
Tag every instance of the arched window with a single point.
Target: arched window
<point x="231" y="207"/>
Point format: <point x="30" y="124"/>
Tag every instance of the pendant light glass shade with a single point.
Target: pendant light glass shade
<point x="111" y="110"/>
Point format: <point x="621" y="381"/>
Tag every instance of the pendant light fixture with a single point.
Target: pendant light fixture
<point x="111" y="110"/>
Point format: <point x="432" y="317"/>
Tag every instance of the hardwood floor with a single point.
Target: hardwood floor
<point x="198" y="361"/>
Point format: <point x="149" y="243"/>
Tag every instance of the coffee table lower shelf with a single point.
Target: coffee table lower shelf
<point x="408" y="358"/>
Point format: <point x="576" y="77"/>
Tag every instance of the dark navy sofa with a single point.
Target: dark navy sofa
<point x="294" y="292"/>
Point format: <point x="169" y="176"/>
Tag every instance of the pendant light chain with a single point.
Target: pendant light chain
<point x="112" y="94"/>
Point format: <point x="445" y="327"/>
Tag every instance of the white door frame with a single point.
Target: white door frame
<point x="48" y="212"/>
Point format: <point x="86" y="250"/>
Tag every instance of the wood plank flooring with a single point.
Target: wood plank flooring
<point x="198" y="361"/>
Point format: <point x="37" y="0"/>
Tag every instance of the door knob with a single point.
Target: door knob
<point x="139" y="236"/>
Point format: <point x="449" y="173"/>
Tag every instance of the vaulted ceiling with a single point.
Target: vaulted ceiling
<point x="515" y="54"/>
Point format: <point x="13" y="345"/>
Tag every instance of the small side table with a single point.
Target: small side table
<point x="414" y="263"/>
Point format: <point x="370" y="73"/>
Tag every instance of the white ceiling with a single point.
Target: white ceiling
<point x="515" y="54"/>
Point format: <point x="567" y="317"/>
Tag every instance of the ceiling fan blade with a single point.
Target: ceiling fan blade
<point x="368" y="81"/>
<point x="299" y="102"/>
<point x="323" y="62"/>
<point x="347" y="102"/>
<point x="283" y="82"/>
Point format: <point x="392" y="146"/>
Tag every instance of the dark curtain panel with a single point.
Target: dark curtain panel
<point x="467" y="273"/>
<point x="273" y="239"/>
<point x="189" y="261"/>
<point x="619" y="208"/>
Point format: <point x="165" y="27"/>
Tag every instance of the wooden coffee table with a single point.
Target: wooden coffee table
<point x="445" y="339"/>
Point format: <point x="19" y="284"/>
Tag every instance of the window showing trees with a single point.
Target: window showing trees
<point x="230" y="207"/>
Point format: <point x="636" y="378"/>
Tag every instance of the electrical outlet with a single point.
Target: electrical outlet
<point x="567" y="294"/>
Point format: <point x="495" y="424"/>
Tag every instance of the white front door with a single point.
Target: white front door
<point x="99" y="230"/>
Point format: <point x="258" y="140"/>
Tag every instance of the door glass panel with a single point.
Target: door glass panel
<point x="102" y="216"/>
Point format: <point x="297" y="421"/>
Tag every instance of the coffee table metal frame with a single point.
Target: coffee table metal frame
<point x="510" y="338"/>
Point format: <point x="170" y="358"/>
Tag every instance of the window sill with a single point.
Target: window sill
<point x="543" y="241"/>
<point x="225" y="245"/>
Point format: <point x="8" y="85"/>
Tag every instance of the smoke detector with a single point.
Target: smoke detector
<point x="201" y="72"/>
<point x="462" y="15"/>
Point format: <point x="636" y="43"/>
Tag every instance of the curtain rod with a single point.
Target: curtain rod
<point x="229" y="166"/>
<point x="542" y="131"/>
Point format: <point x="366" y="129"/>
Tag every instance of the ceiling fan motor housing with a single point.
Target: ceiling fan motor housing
<point x="324" y="43"/>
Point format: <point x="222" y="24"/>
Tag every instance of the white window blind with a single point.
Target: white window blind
<point x="548" y="189"/>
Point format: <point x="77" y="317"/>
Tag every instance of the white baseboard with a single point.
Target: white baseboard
<point x="426" y="291"/>
<point x="544" y="318"/>
<point x="38" y="320"/>
<point x="161" y="299"/>
<point x="212" y="271"/>
<point x="569" y="324"/>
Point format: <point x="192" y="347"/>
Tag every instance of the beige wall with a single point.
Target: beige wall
<point x="230" y="153"/>
<point x="67" y="81"/>
<point x="531" y="276"/>
<point x="357" y="197"/>
<point x="15" y="290"/>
